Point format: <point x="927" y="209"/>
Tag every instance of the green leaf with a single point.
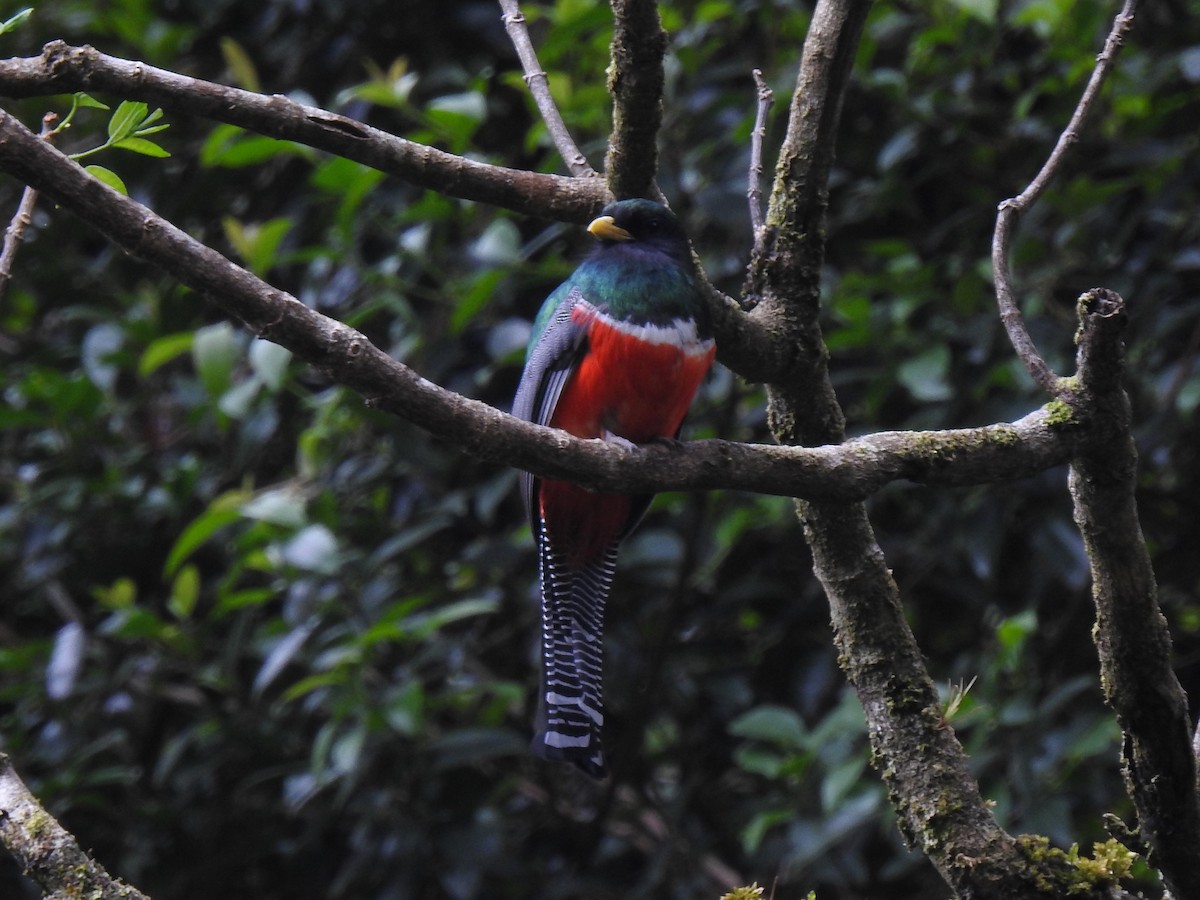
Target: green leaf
<point x="235" y="600"/>
<point x="280" y="507"/>
<point x="406" y="711"/>
<point x="756" y="830"/>
<point x="232" y="148"/>
<point x="129" y="115"/>
<point x="144" y="127"/>
<point x="164" y="349"/>
<point x="470" y="746"/>
<point x="109" y="177"/>
<point x="218" y="515"/>
<point x="474" y="298"/>
<point x="427" y="623"/>
<point x="215" y="352"/>
<point x="185" y="591"/>
<point x="121" y="594"/>
<point x="984" y="10"/>
<point x="759" y="761"/>
<point x="15" y="21"/>
<point x="281" y="654"/>
<point x="257" y="244"/>
<point x="841" y="780"/>
<point x="925" y="376"/>
<point x="236" y="401"/>
<point x="88" y="101"/>
<point x="314" y="682"/>
<point x="777" y="724"/>
<point x="314" y="549"/>
<point x="245" y="74"/>
<point x="270" y="362"/>
<point x="142" y="146"/>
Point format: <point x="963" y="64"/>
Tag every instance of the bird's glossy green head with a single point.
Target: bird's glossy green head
<point x="640" y="270"/>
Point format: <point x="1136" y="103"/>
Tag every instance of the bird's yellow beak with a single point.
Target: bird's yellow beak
<point x="606" y="229"/>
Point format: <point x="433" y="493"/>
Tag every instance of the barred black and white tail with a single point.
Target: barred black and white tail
<point x="571" y="705"/>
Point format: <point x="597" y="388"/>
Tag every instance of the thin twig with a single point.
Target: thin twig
<point x="15" y="233"/>
<point x="539" y="88"/>
<point x="1010" y="210"/>
<point x="766" y="99"/>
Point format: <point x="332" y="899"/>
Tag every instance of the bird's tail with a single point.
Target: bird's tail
<point x="571" y="705"/>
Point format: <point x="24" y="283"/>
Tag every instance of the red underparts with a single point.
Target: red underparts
<point x="623" y="386"/>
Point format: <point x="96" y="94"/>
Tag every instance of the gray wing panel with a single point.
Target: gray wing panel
<point x="547" y="369"/>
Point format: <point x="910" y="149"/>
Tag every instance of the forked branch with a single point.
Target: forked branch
<point x="1012" y="209"/>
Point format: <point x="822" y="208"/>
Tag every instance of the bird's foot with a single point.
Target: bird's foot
<point x="611" y="438"/>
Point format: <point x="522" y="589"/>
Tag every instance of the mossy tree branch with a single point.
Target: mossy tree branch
<point x="46" y="851"/>
<point x="1131" y="632"/>
<point x="635" y="81"/>
<point x="849" y="471"/>
<point x="939" y="803"/>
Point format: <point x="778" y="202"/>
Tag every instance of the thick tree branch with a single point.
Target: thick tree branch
<point x="785" y="270"/>
<point x="46" y="852"/>
<point x="940" y="807"/>
<point x="635" y="80"/>
<point x="850" y="471"/>
<point x="1011" y="209"/>
<point x="539" y="88"/>
<point x="746" y="346"/>
<point x="62" y="68"/>
<point x="1131" y="632"/>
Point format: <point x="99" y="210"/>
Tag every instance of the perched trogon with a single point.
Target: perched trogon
<point x="617" y="352"/>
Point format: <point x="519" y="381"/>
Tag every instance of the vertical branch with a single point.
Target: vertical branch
<point x="766" y="99"/>
<point x="635" y="80"/>
<point x="539" y="88"/>
<point x="941" y="811"/>
<point x="1131" y="632"/>
<point x="1011" y="209"/>
<point x="15" y="233"/>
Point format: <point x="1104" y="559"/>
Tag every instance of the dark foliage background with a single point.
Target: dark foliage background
<point x="259" y="639"/>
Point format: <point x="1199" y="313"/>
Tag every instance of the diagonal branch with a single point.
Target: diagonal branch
<point x="539" y="88"/>
<point x="63" y="68"/>
<point x="1011" y="209"/>
<point x="44" y="849"/>
<point x="845" y="471"/>
<point x="635" y="80"/>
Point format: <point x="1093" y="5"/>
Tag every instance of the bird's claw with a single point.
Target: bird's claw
<point x="610" y="438"/>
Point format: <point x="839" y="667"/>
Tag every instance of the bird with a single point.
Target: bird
<point x="617" y="352"/>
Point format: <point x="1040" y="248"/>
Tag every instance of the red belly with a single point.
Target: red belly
<point x="628" y="387"/>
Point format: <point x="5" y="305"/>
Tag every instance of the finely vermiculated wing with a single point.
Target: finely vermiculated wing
<point x="547" y="369"/>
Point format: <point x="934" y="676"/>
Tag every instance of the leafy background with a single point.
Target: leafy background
<point x="260" y="638"/>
